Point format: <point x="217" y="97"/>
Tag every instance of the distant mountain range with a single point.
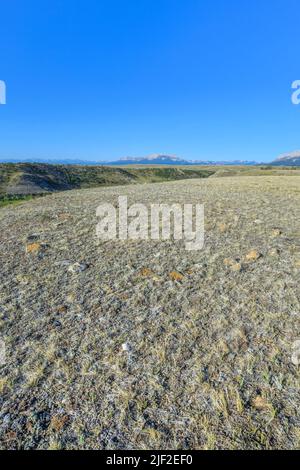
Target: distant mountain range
<point x="156" y="159"/>
<point x="161" y="159"/>
<point x="52" y="161"/>
<point x="289" y="159"/>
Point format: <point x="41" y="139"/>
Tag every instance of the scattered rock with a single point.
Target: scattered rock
<point x="296" y="353"/>
<point x="77" y="268"/>
<point x="33" y="248"/>
<point x="176" y="276"/>
<point x="146" y="272"/>
<point x="260" y="403"/>
<point x="222" y="227"/>
<point x="274" y="252"/>
<point x="253" y="256"/>
<point x="276" y="232"/>
<point x="64" y="216"/>
<point x="126" y="347"/>
<point x="234" y="265"/>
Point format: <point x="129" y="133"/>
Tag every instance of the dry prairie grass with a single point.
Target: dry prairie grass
<point x="207" y="362"/>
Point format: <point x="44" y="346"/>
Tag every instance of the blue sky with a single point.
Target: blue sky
<point x="110" y="78"/>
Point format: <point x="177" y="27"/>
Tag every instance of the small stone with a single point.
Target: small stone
<point x="176" y="276"/>
<point x="296" y="358"/>
<point x="252" y="256"/>
<point x="296" y="353"/>
<point x="126" y="347"/>
<point x="146" y="272"/>
<point x="276" y="232"/>
<point x="33" y="248"/>
<point x="234" y="265"/>
<point x="64" y="216"/>
<point x="260" y="403"/>
<point x="222" y="227"/>
<point x="274" y="252"/>
<point x="77" y="267"/>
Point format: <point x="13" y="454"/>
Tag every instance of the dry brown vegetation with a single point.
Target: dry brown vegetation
<point x="144" y="345"/>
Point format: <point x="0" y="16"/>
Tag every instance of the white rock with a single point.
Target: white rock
<point x="77" y="267"/>
<point x="296" y="353"/>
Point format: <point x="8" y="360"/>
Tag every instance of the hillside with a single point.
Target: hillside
<point x="20" y="181"/>
<point x="211" y="336"/>
<point x="38" y="178"/>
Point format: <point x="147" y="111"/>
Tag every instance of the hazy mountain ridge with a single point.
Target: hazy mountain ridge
<point x="161" y="159"/>
<point x="288" y="159"/>
<point x="155" y="159"/>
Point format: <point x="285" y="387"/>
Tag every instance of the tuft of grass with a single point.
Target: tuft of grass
<point x="13" y="200"/>
<point x="58" y="422"/>
<point x="54" y="445"/>
<point x="4" y="384"/>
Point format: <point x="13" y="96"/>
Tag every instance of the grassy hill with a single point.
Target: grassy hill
<point x="37" y="178"/>
<point x="23" y="181"/>
<point x="28" y="179"/>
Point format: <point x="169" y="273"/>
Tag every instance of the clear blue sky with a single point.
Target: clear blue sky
<point x="103" y="79"/>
